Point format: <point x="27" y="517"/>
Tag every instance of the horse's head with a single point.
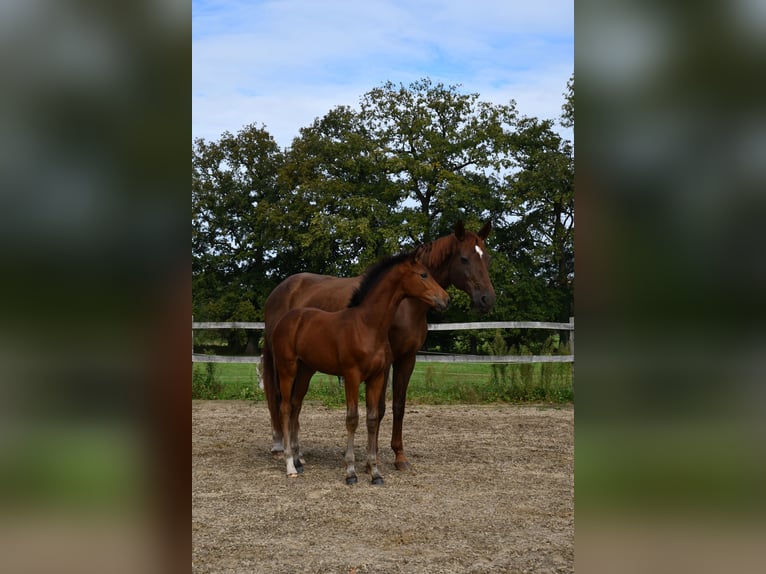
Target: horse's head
<point x="418" y="282"/>
<point x="468" y="270"/>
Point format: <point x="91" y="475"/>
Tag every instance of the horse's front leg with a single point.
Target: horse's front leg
<point x="375" y="391"/>
<point x="352" y="421"/>
<point x="403" y="368"/>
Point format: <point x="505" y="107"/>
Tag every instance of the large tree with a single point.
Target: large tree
<point x="537" y="228"/>
<point x="234" y="185"/>
<point x="337" y="201"/>
<point x="445" y="151"/>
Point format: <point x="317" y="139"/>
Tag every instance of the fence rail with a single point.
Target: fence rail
<point x="228" y="325"/>
<point x="423" y="357"/>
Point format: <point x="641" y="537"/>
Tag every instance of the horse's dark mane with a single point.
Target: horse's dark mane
<point x="435" y="253"/>
<point x="373" y="274"/>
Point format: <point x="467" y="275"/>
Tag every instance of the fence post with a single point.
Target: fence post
<point x="572" y="349"/>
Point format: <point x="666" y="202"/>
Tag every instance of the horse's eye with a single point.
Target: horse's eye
<point x="424" y="275"/>
<point x="464" y="259"/>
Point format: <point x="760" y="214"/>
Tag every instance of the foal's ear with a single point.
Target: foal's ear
<point x="416" y="254"/>
<point x="484" y="231"/>
<point x="460" y="230"/>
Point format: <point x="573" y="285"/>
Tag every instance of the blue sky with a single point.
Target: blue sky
<point x="283" y="63"/>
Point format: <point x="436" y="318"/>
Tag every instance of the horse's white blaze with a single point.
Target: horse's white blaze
<point x="479" y="251"/>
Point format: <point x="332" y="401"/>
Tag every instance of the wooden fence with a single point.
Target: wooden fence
<point x="425" y="357"/>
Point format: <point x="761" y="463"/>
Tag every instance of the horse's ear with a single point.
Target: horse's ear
<point x="460" y="230"/>
<point x="416" y="254"/>
<point x="484" y="231"/>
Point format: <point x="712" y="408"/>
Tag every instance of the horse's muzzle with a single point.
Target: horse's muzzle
<point x="441" y="303"/>
<point x="483" y="302"/>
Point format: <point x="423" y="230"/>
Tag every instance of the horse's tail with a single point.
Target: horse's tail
<point x="270" y="380"/>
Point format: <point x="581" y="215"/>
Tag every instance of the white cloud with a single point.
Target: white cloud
<point x="284" y="63"/>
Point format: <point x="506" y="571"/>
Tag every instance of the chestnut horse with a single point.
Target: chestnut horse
<point x="352" y="343"/>
<point x="458" y="259"/>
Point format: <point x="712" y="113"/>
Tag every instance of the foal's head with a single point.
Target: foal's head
<point x="411" y="276"/>
<point x="418" y="282"/>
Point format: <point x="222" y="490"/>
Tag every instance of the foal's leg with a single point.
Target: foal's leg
<point x="402" y="373"/>
<point x="375" y="389"/>
<point x="286" y="380"/>
<point x="287" y="422"/>
<point x="300" y="387"/>
<point x="381" y="412"/>
<point x="352" y="420"/>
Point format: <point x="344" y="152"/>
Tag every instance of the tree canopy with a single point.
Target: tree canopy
<point x="360" y="183"/>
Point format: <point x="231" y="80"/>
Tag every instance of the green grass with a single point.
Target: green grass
<point x="431" y="383"/>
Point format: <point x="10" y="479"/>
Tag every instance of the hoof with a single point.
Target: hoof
<point x="351" y="480"/>
<point x="299" y="467"/>
<point x="277" y="454"/>
<point x="292" y="475"/>
<point x="377" y="480"/>
<point x="403" y="465"/>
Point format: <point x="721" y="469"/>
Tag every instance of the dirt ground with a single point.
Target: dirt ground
<point x="491" y="489"/>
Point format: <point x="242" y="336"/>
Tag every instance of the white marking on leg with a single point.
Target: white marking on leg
<point x="479" y="251"/>
<point x="291" y="471"/>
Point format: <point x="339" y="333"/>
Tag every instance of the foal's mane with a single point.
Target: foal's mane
<point x="373" y="275"/>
